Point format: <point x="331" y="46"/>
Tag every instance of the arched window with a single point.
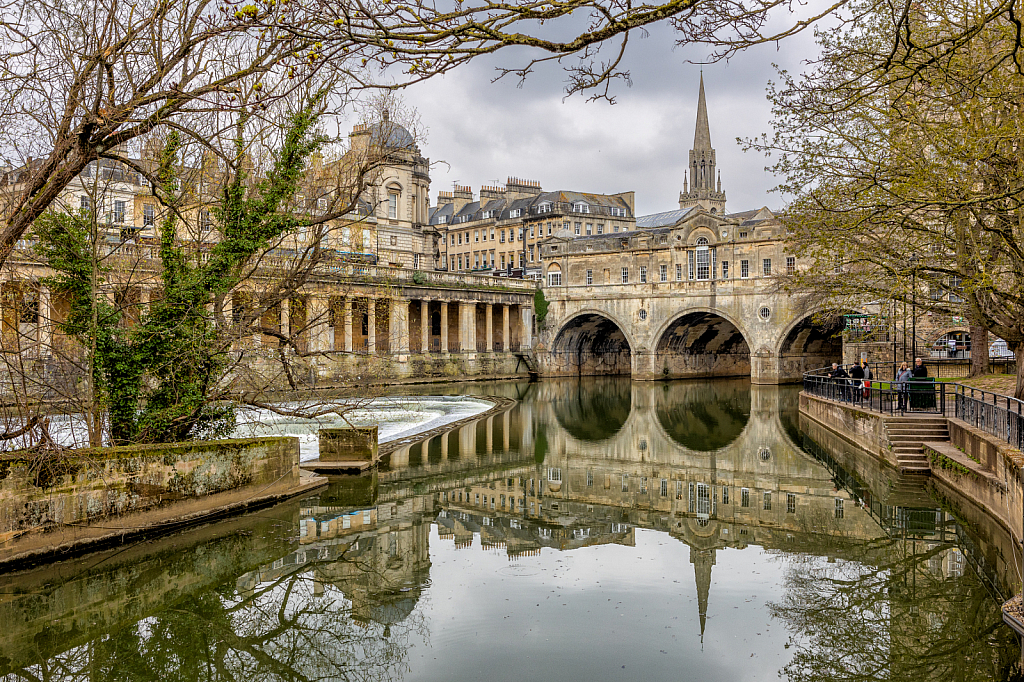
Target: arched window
<point x="554" y="275"/>
<point x="703" y="258"/>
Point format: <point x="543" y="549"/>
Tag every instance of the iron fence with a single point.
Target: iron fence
<point x="995" y="414"/>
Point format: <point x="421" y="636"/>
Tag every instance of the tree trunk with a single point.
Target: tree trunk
<point x="1018" y="354"/>
<point x="979" y="351"/>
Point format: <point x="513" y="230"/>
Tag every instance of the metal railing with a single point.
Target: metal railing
<point x="921" y="396"/>
<point x="995" y="414"/>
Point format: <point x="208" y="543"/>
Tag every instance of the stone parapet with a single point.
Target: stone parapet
<point x="85" y="499"/>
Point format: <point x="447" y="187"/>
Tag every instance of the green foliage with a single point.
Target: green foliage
<point x="540" y="306"/>
<point x="419" y="277"/>
<point x="158" y="379"/>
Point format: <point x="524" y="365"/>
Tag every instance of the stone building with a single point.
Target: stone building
<point x="502" y="231"/>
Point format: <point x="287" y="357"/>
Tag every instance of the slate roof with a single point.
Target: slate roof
<point x="663" y="219"/>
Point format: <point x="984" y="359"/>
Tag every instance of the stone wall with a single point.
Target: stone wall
<point x="995" y="475"/>
<point x="864" y="429"/>
<point x="88" y="497"/>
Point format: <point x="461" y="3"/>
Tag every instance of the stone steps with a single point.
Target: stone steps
<point x="907" y="436"/>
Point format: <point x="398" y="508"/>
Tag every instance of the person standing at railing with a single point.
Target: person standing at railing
<point x="857" y="379"/>
<point x="902" y="384"/>
<point x="867" y="378"/>
<point x="923" y="393"/>
<point x="839" y="376"/>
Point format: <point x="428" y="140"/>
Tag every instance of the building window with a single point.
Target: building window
<point x="119" y="211"/>
<point x="580" y="207"/>
<point x="579" y="226"/>
<point x="600" y="228"/>
<point x="767" y="501"/>
<point x="392" y="206"/>
<point x="625" y="483"/>
<point x="416" y="260"/>
<point x="544" y="208"/>
<point x="590" y="277"/>
<point x="554" y="279"/>
<point x="476" y="235"/>
<point x="703" y="259"/>
<point x="502" y="261"/>
<point x="790" y="503"/>
<point x="476" y="260"/>
<point x="663" y="272"/>
<point x="725" y="269"/>
<point x="501" y="236"/>
<point x="766" y="267"/>
<point x="839" y="507"/>
<point x="84" y="203"/>
<point x="664" y="487"/>
<point x="531" y="253"/>
<point x="533" y="230"/>
<point x="625" y="275"/>
<point x="590" y="228"/>
<point x="744" y="269"/>
<point x="790" y="265"/>
<point x="679" y="272"/>
<point x="643" y="274"/>
<point x="148" y="214"/>
<point x="744" y="497"/>
<point x="590" y="479"/>
<point x="725" y="495"/>
<point x="515" y="213"/>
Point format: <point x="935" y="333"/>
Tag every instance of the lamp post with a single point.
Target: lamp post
<point x="913" y="285"/>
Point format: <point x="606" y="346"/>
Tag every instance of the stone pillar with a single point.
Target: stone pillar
<point x="506" y="421"/>
<point x="316" y="320"/>
<point x="424" y="326"/>
<point x="45" y="321"/>
<point x="490" y="434"/>
<point x="285" y="307"/>
<point x="444" y="445"/>
<point x="527" y="327"/>
<point x="398" y="327"/>
<point x="444" y="326"/>
<point x="489" y="326"/>
<point x="371" y="325"/>
<point x="467" y="326"/>
<point x="346" y="315"/>
<point x="506" y="335"/>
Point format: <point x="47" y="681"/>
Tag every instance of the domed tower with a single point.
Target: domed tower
<point x="701" y="189"/>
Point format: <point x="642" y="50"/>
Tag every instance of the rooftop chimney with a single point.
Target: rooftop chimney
<point x="517" y="188"/>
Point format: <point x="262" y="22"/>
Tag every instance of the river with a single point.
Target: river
<point x="597" y="530"/>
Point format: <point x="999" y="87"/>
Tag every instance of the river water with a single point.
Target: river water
<point x="597" y="530"/>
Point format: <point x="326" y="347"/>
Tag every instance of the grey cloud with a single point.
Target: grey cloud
<point x="488" y="131"/>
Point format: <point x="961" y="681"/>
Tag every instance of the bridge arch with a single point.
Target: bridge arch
<point x="592" y="343"/>
<point x="703" y="417"/>
<point x="594" y="410"/>
<point x="701" y="342"/>
<point x="808" y="343"/>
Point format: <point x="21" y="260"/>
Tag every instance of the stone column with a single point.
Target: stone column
<point x="506" y="421"/>
<point x="284" y="325"/>
<point x="398" y="327"/>
<point x="346" y="315"/>
<point x="444" y="445"/>
<point x="371" y="325"/>
<point x="527" y="326"/>
<point x="467" y="326"/>
<point x="506" y="336"/>
<point x="45" y="321"/>
<point x="444" y="326"/>
<point x="490" y="434"/>
<point x="489" y="326"/>
<point x="316" y="321"/>
<point x="424" y="326"/>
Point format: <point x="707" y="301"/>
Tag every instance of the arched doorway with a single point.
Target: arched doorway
<point x="591" y="345"/>
<point x="954" y="344"/>
<point x="810" y="344"/>
<point x="702" y="344"/>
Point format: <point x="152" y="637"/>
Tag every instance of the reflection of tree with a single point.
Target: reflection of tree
<point x="900" y="617"/>
<point x="287" y="628"/>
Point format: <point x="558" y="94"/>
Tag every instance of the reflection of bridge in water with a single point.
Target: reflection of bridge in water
<point x="572" y="465"/>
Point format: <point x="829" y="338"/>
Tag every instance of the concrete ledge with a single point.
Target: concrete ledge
<point x="935" y="450"/>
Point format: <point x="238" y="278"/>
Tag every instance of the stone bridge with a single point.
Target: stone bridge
<point x="684" y="330"/>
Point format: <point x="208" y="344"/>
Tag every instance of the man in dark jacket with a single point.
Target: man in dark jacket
<point x="839" y="375"/>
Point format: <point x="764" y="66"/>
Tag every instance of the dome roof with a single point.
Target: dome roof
<point x="390" y="135"/>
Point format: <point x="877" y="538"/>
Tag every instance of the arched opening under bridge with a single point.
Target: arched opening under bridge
<point x="594" y="409"/>
<point x="702" y="344"/>
<point x="810" y="344"/>
<point x="591" y="345"/>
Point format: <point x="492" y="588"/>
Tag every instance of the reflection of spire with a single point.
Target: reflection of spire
<point x="702" y="560"/>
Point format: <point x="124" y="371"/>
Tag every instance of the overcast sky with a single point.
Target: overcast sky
<point x="484" y="132"/>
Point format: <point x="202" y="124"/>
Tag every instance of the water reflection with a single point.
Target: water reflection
<point x="586" y="527"/>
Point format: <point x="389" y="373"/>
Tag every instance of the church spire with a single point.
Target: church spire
<point x="702" y="560"/>
<point x="701" y="190"/>
<point x="702" y="133"/>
